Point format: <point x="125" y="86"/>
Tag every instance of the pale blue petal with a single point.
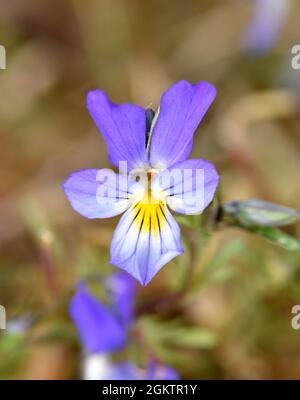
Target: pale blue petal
<point x="98" y="193"/>
<point x="190" y="185"/>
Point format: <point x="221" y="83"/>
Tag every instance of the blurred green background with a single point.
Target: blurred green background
<point x="243" y="287"/>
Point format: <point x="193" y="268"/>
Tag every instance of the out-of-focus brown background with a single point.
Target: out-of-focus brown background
<point x="133" y="49"/>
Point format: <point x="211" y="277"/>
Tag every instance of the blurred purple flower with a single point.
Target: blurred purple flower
<point x="147" y="236"/>
<point x="103" y="328"/>
<point x="268" y="18"/>
<point x="160" y="372"/>
<point x="123" y="293"/>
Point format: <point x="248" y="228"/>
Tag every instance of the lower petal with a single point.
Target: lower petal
<point x="146" y="238"/>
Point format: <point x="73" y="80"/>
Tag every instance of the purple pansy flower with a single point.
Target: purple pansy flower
<point x="155" y="175"/>
<point x="104" y="328"/>
<point x="266" y="24"/>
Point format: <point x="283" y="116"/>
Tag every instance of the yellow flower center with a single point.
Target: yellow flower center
<point x="150" y="211"/>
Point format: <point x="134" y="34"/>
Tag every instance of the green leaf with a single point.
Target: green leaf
<point x="220" y="275"/>
<point x="248" y="213"/>
<point x="224" y="255"/>
<point x="174" y="334"/>
<point x="277" y="237"/>
<point x="218" y="269"/>
<point x="194" y="338"/>
<point x="262" y="218"/>
<point x="10" y="343"/>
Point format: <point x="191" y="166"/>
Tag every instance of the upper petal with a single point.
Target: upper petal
<point x="189" y="185"/>
<point x="99" y="193"/>
<point x="146" y="238"/>
<point x="181" y="109"/>
<point x="98" y="327"/>
<point x="123" y="128"/>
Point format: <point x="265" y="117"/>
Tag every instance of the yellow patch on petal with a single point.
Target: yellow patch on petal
<point x="149" y="211"/>
<point x="149" y="216"/>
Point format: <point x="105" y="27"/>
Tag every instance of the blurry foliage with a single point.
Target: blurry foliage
<point x="225" y="305"/>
